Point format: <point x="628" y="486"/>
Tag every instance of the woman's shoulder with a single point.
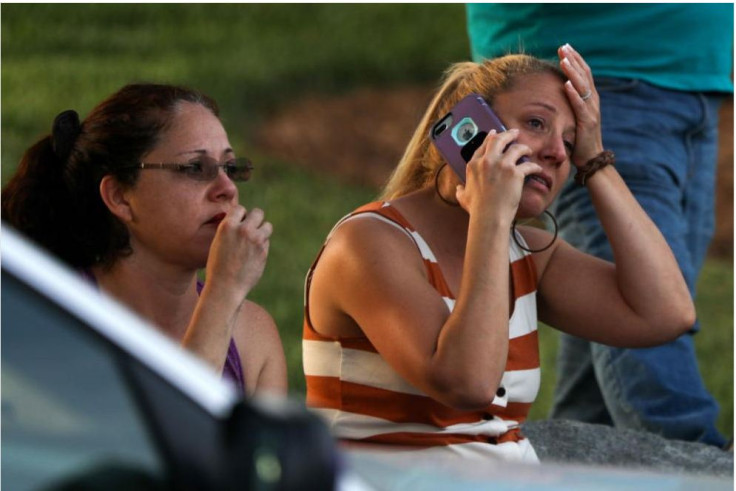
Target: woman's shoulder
<point x="538" y="239"/>
<point x="254" y="318"/>
<point x="369" y="237"/>
<point x="373" y="222"/>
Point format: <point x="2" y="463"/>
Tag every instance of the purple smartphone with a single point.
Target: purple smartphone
<point x="459" y="133"/>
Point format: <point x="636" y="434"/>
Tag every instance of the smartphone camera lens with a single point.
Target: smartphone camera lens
<point x="441" y="125"/>
<point x="466" y="133"/>
<point x="465" y="130"/>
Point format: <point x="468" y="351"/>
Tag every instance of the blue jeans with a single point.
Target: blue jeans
<point x="666" y="146"/>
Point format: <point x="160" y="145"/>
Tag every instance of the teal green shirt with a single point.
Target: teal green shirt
<point x="680" y="46"/>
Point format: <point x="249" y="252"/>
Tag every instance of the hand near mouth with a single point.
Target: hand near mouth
<point x="215" y="220"/>
<point x="238" y="252"/>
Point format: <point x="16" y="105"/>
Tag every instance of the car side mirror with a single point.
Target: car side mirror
<point x="278" y="445"/>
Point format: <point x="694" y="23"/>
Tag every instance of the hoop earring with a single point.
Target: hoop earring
<point x="437" y="186"/>
<point x="554" y="237"/>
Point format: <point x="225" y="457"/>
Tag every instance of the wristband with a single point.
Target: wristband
<point x="593" y="165"/>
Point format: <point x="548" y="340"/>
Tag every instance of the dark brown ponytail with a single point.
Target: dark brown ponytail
<point x="54" y="196"/>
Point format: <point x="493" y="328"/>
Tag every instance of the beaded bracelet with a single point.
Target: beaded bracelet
<point x="593" y="165"/>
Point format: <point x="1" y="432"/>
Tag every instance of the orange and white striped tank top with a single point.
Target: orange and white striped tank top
<point x="363" y="400"/>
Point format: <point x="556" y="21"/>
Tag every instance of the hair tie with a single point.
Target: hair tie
<point x="64" y="133"/>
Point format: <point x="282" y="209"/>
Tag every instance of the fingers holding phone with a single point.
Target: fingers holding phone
<point x="495" y="175"/>
<point x="503" y="148"/>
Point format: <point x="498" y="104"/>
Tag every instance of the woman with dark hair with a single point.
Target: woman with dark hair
<point x="139" y="197"/>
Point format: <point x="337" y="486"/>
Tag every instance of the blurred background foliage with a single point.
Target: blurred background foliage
<point x="257" y="60"/>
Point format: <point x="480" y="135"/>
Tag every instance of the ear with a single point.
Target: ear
<point x="115" y="198"/>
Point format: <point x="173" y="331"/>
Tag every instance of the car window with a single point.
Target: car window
<point x="66" y="408"/>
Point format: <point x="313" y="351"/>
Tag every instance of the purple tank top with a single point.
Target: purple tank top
<point x="232" y="370"/>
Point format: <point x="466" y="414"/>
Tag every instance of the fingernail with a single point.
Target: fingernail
<point x="492" y="132"/>
<point x="566" y="61"/>
<point x="566" y="47"/>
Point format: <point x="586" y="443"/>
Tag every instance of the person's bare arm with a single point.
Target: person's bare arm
<point x="371" y="277"/>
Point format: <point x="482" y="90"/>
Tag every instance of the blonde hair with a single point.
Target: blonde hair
<point x="421" y="159"/>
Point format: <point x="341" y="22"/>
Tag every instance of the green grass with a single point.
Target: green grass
<point x="255" y="59"/>
<point x="251" y="58"/>
<point x="714" y="344"/>
<point x="303" y="207"/>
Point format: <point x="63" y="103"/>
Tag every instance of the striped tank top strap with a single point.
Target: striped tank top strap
<point x="384" y="211"/>
<point x="390" y="215"/>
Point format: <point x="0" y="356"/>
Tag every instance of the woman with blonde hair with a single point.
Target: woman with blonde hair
<point x="421" y="309"/>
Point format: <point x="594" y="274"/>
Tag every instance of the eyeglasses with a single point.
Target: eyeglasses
<point x="205" y="168"/>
